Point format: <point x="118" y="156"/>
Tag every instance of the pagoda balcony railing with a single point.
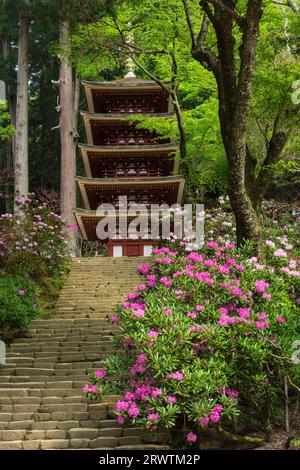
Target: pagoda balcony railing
<point x="129" y="173"/>
<point x="130" y="205"/>
<point x="120" y="141"/>
<point x="131" y="110"/>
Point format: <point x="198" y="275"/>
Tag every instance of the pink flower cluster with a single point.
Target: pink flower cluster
<point x="213" y="418"/>
<point x="139" y="366"/>
<point x="91" y="389"/>
<point x="144" y="268"/>
<point x="261" y="286"/>
<point x="178" y="375"/>
<point x="164" y="251"/>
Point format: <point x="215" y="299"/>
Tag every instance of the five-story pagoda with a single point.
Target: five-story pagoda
<point x="123" y="160"/>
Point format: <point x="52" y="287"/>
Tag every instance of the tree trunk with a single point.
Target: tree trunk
<point x="11" y="148"/>
<point x="68" y="160"/>
<point x="247" y="218"/>
<point x="21" y="156"/>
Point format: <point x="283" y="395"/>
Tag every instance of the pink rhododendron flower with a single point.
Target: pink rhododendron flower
<point x="171" y="400"/>
<point x="261" y="286"/>
<point x="122" y="406"/>
<point x="244" y="312"/>
<point x="218" y="409"/>
<point x="139" y="313"/>
<point x="209" y="263"/>
<point x="280" y="253"/>
<point x="223" y="310"/>
<point x="214" y="417"/>
<point x="100" y="373"/>
<point x="224" y="269"/>
<point x="260" y="325"/>
<point x="166" y="281"/>
<point x="224" y="320"/>
<point x="191" y="437"/>
<point x="134" y="411"/>
<point x="127" y="342"/>
<point x="144" y="268"/>
<point x="153" y="417"/>
<point x="230" y="392"/>
<point x="212" y="245"/>
<point x="93" y="389"/>
<point x="129" y="396"/>
<point x="199" y="308"/>
<point x="195" y="257"/>
<point x="120" y="420"/>
<point x="237" y="292"/>
<point x="167" y="311"/>
<point x="142" y="287"/>
<point x="114" y="319"/>
<point x="281" y="319"/>
<point x="178" y="375"/>
<point x="262" y="316"/>
<point x="267" y="296"/>
<point x="156" y="393"/>
<point x="152" y="334"/>
<point x="203" y="421"/>
<point x="142" y="358"/>
<point x="191" y="314"/>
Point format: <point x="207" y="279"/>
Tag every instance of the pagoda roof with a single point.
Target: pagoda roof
<point x="130" y="181"/>
<point x="119" y="117"/>
<point x="91" y="154"/>
<point x="122" y="83"/>
<point x="87" y="221"/>
<point x="88" y="186"/>
<point x="153" y="148"/>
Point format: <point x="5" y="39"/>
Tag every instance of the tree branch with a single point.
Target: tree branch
<point x="290" y="3"/>
<point x="189" y="22"/>
<point x="247" y="56"/>
<point x="203" y="31"/>
<point x="218" y="4"/>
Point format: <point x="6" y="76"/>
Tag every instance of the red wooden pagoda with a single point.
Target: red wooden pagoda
<point x="122" y="160"/>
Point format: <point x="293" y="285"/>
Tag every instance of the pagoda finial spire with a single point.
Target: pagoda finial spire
<point x="129" y="60"/>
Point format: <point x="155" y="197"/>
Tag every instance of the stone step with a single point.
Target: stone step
<point x="42" y="403"/>
<point x="62" y="344"/>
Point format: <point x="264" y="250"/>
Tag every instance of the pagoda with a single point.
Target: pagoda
<point x="123" y="160"/>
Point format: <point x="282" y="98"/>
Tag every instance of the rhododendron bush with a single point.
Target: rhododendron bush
<point x="207" y="336"/>
<point x="19" y="304"/>
<point x="34" y="240"/>
<point x="33" y="258"/>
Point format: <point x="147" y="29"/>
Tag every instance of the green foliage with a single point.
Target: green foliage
<point x="19" y="304"/>
<point x="34" y="241"/>
<point x="208" y="335"/>
<point x="33" y="245"/>
<point x="6" y="129"/>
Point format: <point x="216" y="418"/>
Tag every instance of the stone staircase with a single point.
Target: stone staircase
<point x="42" y="404"/>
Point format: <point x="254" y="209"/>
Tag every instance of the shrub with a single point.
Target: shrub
<point x="207" y="336"/>
<point x="34" y="241"/>
<point x="33" y="245"/>
<point x="19" y="304"/>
